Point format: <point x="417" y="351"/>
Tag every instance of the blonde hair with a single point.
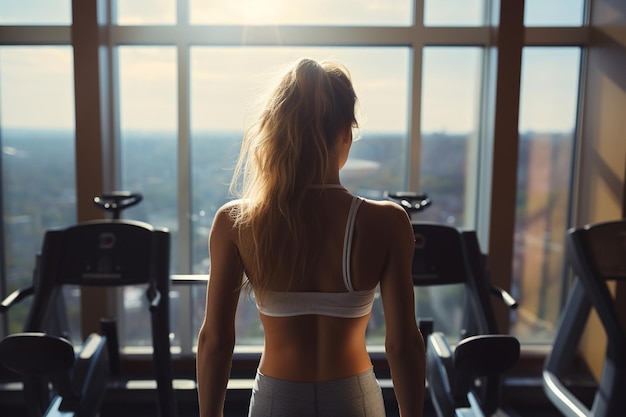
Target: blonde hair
<point x="283" y="153"/>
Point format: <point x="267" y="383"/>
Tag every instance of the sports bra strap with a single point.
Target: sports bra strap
<point x="347" y="242"/>
<point x="348" y="304"/>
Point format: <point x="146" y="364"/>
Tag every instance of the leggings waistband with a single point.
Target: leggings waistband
<point x="363" y="377"/>
<point x="354" y="396"/>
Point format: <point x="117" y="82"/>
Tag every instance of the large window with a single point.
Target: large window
<point x="147" y="119"/>
<point x="179" y="87"/>
<point x="451" y="94"/>
<point x="549" y="90"/>
<point x="37" y="137"/>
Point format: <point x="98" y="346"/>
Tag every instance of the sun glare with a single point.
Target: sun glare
<point x="260" y="12"/>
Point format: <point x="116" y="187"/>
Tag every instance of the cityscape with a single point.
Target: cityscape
<point x="38" y="184"/>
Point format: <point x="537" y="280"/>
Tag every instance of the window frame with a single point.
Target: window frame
<point x="94" y="36"/>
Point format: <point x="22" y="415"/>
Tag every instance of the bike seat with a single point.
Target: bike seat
<point x="485" y="355"/>
<point x="36" y="353"/>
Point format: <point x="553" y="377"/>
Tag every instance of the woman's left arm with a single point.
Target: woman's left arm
<point x="216" y="339"/>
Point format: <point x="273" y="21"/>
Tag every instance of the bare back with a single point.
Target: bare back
<point x="309" y="348"/>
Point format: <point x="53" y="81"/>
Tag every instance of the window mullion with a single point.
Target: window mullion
<point x="415" y="104"/>
<point x="415" y="98"/>
<point x="35" y="35"/>
<point x="183" y="243"/>
<point x="568" y="36"/>
<point x="184" y="163"/>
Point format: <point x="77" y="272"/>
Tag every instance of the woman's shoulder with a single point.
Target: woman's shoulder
<point x="383" y="212"/>
<point x="230" y="206"/>
<point x="387" y="221"/>
<point x="383" y="208"/>
<point x="384" y="223"/>
<point x="227" y="213"/>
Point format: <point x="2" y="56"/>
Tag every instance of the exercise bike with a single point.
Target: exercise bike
<point x="463" y="380"/>
<point x="100" y="253"/>
<point x="596" y="254"/>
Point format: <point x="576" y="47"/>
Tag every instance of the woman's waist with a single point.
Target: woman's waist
<point x="365" y="375"/>
<point x="313" y="363"/>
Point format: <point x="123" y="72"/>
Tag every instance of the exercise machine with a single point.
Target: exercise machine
<point x="463" y="375"/>
<point x="410" y="201"/>
<point x="597" y="256"/>
<point x="102" y="253"/>
<point x="79" y="380"/>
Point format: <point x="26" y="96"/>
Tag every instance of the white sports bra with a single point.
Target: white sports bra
<point x="347" y="304"/>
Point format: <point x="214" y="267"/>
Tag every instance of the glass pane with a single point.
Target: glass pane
<point x="35" y="12"/>
<point x="225" y="81"/>
<point x="451" y="86"/>
<point x="554" y="12"/>
<point x="135" y="328"/>
<point x="549" y="92"/>
<point x="454" y="12"/>
<point x="37" y="138"/>
<point x="145" y="12"/>
<point x="299" y="12"/>
<point x="148" y="133"/>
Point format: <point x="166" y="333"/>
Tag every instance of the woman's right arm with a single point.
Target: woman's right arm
<point x="216" y="339"/>
<point x="403" y="340"/>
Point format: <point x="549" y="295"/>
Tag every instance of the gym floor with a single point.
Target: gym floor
<point x="236" y="406"/>
<point x="522" y="399"/>
<point x="189" y="410"/>
<point x="538" y="411"/>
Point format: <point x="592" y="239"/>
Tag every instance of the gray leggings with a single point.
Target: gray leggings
<point x="355" y="396"/>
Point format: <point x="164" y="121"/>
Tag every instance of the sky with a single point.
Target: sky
<point x="226" y="82"/>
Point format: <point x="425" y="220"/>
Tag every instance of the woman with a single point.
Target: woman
<point x="313" y="255"/>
